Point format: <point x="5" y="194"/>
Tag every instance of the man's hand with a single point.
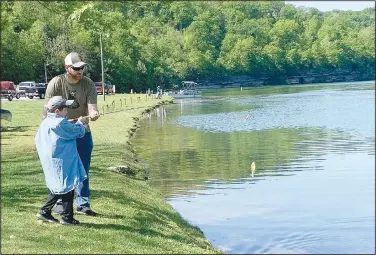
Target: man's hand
<point x="93" y="112"/>
<point x="94" y="116"/>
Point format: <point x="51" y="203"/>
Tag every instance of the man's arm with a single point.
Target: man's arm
<point x="50" y="92"/>
<point x="92" y="102"/>
<point x="44" y="112"/>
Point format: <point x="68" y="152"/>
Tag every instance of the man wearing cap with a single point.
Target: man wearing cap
<point x="55" y="141"/>
<point x="73" y="85"/>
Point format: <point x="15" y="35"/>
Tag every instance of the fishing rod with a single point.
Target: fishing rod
<point x="84" y="120"/>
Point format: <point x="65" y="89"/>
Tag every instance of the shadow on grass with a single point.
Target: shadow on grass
<point x="23" y="198"/>
<point x="16" y="129"/>
<point x="26" y="159"/>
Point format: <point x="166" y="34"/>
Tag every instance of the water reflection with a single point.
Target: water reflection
<point x="253" y="169"/>
<point x="314" y="147"/>
<point x="160" y="113"/>
<point x="191" y="156"/>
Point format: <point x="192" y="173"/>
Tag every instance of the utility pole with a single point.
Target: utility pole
<point x="100" y="40"/>
<point x="45" y="72"/>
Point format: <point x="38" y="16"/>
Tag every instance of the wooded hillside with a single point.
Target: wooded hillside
<point x="150" y="43"/>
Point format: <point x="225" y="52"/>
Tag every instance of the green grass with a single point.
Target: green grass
<point x="134" y="217"/>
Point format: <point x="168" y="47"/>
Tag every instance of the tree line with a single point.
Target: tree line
<point x="151" y="43"/>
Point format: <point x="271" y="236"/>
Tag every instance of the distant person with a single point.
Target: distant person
<point x="63" y="170"/>
<point x="159" y="93"/>
<point x="74" y="85"/>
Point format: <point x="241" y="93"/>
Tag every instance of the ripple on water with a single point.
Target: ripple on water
<point x="289" y="243"/>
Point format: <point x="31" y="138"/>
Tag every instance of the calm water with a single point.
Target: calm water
<point x="313" y="188"/>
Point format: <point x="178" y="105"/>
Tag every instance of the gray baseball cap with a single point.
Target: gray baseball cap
<point x="58" y="101"/>
<point x="73" y="59"/>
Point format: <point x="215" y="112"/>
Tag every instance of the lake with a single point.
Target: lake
<point x="312" y="187"/>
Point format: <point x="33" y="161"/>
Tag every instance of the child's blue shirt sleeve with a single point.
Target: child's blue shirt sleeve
<point x="68" y="130"/>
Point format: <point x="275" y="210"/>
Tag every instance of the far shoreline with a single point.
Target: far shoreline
<point x="236" y="81"/>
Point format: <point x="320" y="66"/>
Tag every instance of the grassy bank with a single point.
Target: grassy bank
<point x="134" y="217"/>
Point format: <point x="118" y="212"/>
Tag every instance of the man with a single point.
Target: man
<point x="73" y="85"/>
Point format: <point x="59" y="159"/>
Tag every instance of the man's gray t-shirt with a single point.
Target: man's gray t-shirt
<point x="83" y="92"/>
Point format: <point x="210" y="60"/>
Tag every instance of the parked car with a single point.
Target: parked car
<point x="8" y="90"/>
<point x="41" y="90"/>
<point x="107" y="87"/>
<point x="32" y="89"/>
<point x="29" y="87"/>
<point x="20" y="92"/>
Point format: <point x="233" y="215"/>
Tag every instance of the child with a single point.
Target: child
<point x="63" y="170"/>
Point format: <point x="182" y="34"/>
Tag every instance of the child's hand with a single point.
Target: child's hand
<point x="84" y="120"/>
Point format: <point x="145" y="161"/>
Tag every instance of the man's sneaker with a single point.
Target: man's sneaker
<point x="86" y="210"/>
<point x="46" y="217"/>
<point x="66" y="221"/>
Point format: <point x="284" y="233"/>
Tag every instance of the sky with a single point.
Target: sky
<point x="331" y="5"/>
